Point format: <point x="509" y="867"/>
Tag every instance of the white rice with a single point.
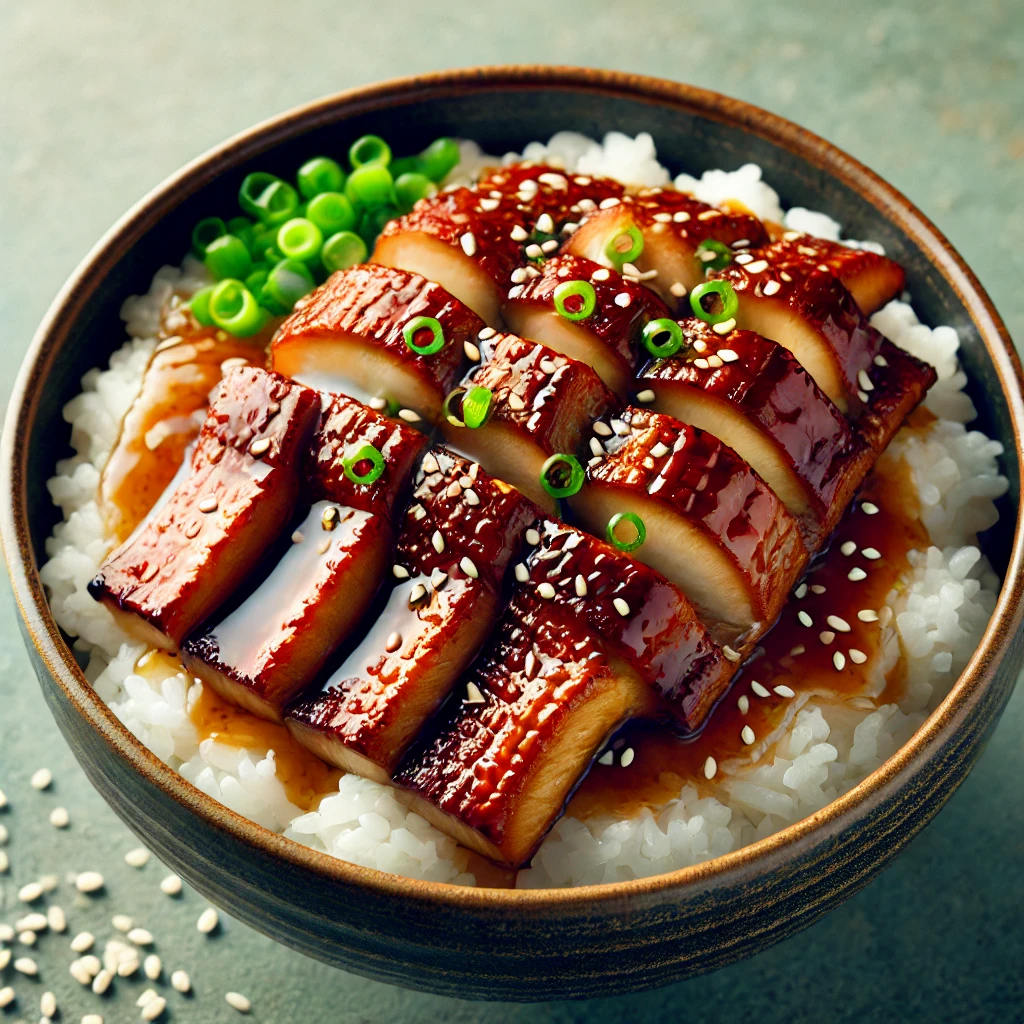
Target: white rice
<point x="940" y="609"/>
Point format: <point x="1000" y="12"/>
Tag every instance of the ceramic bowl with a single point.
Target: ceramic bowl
<point x="490" y="943"/>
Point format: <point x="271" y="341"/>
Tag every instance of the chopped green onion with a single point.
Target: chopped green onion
<point x="300" y="239"/>
<point x="565" y="468"/>
<point x="268" y="198"/>
<point x="200" y="306"/>
<point x="476" y="404"/>
<point x="287" y="282"/>
<point x="439" y="158"/>
<point x="227" y="256"/>
<point x="371" y="185"/>
<point x="331" y="212"/>
<point x="345" y="249"/>
<point x="370" y="149"/>
<point x="367" y="453"/>
<point x="666" y="346"/>
<point x="256" y="280"/>
<point x="406" y="165"/>
<point x="638" y="525"/>
<point x="625" y="246"/>
<point x="725" y="292"/>
<point x="714" y="255"/>
<point x="319" y="175"/>
<point x="411" y="187"/>
<point x="238" y="226"/>
<point x="372" y="223"/>
<point x="424" y="323"/>
<point x="575" y="300"/>
<point x="208" y="230"/>
<point x="234" y="309"/>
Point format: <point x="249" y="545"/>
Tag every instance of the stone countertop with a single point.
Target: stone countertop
<point x="102" y="100"/>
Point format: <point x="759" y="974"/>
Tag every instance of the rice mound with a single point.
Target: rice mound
<point x="940" y="608"/>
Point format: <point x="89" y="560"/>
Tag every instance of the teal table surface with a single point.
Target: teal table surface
<point x="101" y="99"/>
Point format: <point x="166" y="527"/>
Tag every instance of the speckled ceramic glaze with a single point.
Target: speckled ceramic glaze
<point x="480" y="943"/>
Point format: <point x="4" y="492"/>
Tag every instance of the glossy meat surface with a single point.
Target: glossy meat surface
<point x="244" y="481"/>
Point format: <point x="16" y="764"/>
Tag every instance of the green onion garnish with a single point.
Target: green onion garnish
<point x="208" y="230"/>
<point x="638" y="525"/>
<point x="371" y="185"/>
<point x="299" y="239"/>
<point x="663" y="337"/>
<point x="564" y="468"/>
<point x="724" y="290"/>
<point x="319" y="175"/>
<point x="331" y="212"/>
<point x="367" y="453"/>
<point x="476" y="405"/>
<point x="370" y="149"/>
<point x="200" y="306"/>
<point x="345" y="249"/>
<point x="411" y="187"/>
<point x="227" y="256"/>
<point x="234" y="309"/>
<point x="625" y="246"/>
<point x="714" y="255"/>
<point x="268" y="198"/>
<point x="439" y="158"/>
<point x="575" y="300"/>
<point x="424" y="323"/>
<point x="287" y="282"/>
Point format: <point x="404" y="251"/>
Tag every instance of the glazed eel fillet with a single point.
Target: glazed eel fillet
<point x="386" y="337"/>
<point x="590" y="639"/>
<point x="182" y="562"/>
<point x="541" y="403"/>
<point x="306" y="601"/>
<point x="458" y="537"/>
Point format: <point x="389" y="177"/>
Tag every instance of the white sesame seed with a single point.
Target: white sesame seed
<point x="805" y="619"/>
<point x="549" y="246"/>
<point x="6" y="996"/>
<point x="41" y="779"/>
<point x="518" y="276"/>
<point x="27" y="966"/>
<point x="620" y="606"/>
<point x="260" y="446"/>
<point x="48" y="1004"/>
<point x="238" y="1002"/>
<point x="141" y="937"/>
<point x="660" y="449"/>
<point x="409" y="415"/>
<point x="489" y="205"/>
<point x="171" y="885"/>
<point x="581" y="586"/>
<point x="680" y="217"/>
<point x="645" y="396"/>
<point x="801" y="592"/>
<point x="864" y="381"/>
<point x="181" y="982"/>
<point x="154" y="1008"/>
<point x="472" y="498"/>
<point x="784" y="691"/>
<point x="468" y="566"/>
<point x="27" y="938"/>
<point x="796" y="651"/>
<point x="518" y="234"/>
<point x="771" y="287"/>
<point x="82" y="942"/>
<point x="759" y="689"/>
<point x="839" y="660"/>
<point x="848" y="548"/>
<point x="522" y="573"/>
<point x="623" y="299"/>
<point x="747" y="735"/>
<point x="627" y="757"/>
<point x="378" y="403"/>
<point x="743" y="704"/>
<point x="533" y="251"/>
<point x="81" y="971"/>
<point x="59" y="817"/>
<point x="5" y="958"/>
<point x="102" y="981"/>
<point x="468" y="243"/>
<point x="127" y="966"/>
<point x="817" y="588"/>
<point x="92" y="1018"/>
<point x="710" y="768"/>
<point x="701" y="364"/>
<point x="871" y="553"/>
<point x="596" y="448"/>
<point x="437" y="541"/>
<point x="858" y="657"/>
<point x="826" y="636"/>
<point x="32" y="923"/>
<point x="208" y="920"/>
<point x="729" y="653"/>
<point x="30" y="892"/>
<point x="122" y="922"/>
<point x="608" y="757"/>
<point x="546" y="590"/>
<point x="856" y="574"/>
<point x="146" y="997"/>
<point x="867" y="615"/>
<point x="6" y="933"/>
<point x="208" y="504"/>
<point x="152" y="966"/>
<point x="869" y="508"/>
<point x="532" y="537"/>
<point x="862" y="395"/>
<point x="3" y="834"/>
<point x="5" y="862"/>
<point x="757" y="267"/>
<point x="838" y="624"/>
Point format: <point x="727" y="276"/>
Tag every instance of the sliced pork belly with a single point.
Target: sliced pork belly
<point x="657" y="235"/>
<point x="245" y="476"/>
<point x="754" y="396"/>
<point x="713" y="526"/>
<point x="355" y="335"/>
<point x="163" y="421"/>
<point x="789" y="297"/>
<point x="434" y="623"/>
<point x="497" y="769"/>
<point x="551" y="305"/>
<point x="541" y="403"/>
<point x="274" y="641"/>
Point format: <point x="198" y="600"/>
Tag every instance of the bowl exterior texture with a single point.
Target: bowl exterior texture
<point x="493" y="943"/>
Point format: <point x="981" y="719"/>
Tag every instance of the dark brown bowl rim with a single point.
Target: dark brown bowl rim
<point x="764" y="854"/>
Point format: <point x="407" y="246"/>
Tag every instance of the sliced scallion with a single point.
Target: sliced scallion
<point x="575" y="300"/>
<point x="625" y="246"/>
<point x="725" y="293"/>
<point x="299" y="239"/>
<point x="663" y="337"/>
<point x="562" y="475"/>
<point x="635" y="521"/>
<point x="420" y="325"/>
<point x="345" y="249"/>
<point x="366" y="453"/>
<point x="234" y="309"/>
<point x="208" y="230"/>
<point x="370" y="149"/>
<point x="714" y="255"/>
<point x="319" y="175"/>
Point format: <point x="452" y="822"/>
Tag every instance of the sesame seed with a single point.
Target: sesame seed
<point x="800" y="592"/>
<point x="581" y="586"/>
<point x="122" y="922"/>
<point x="838" y="624"/>
<point x="701" y="364"/>
<point x="729" y="653"/>
<point x="601" y="428"/>
<point x="27" y="938"/>
<point x="41" y="779"/>
<point x="784" y="691"/>
<point x="378" y="403"/>
<point x="468" y="243"/>
<point x="522" y="573"/>
<point x="529" y="664"/>
<point x="678" y="289"/>
<point x="6" y="996"/>
<point x="660" y="449"/>
<point x="30" y="892"/>
<point x="805" y="619"/>
<point x="489" y="205"/>
<point x="623" y="299"/>
<point x="869" y="508"/>
<point x="472" y="352"/>
<point x="862" y="395"/>
<point x="848" y="547"/>
<point x="680" y="217"/>
<point x="663" y="218"/>
<point x="26" y="965"/>
<point x="81" y="969"/>
<point x="601" y="274"/>
<point x="137" y="858"/>
<point x="92" y="1018"/>
<point x="545" y="224"/>
<point x="519" y="234"/>
<point x="140" y="936"/>
<point x="725" y="327"/>
<point x="438" y="579"/>
<point x="856" y="574"/>
<point x="627" y="757"/>
<point x="171" y="885"/>
<point x="826" y="636"/>
<point x="743" y="704"/>
<point x="785" y="277"/>
<point x="546" y="591"/>
<point x="146" y="997"/>
<point x="727" y="355"/>
<point x="181" y="982"/>
<point x="56" y="919"/>
<point x="796" y="651"/>
<point x="518" y="276"/>
<point x="549" y="246"/>
<point x="645" y="396"/>
<point x="607" y="204"/>
<point x="867" y="615"/>
<point x="5" y="862"/>
<point x="534" y="251"/>
<point x="715" y="362"/>
<point x="858" y="657"/>
<point x="102" y="981"/>
<point x="770" y="287"/>
<point x="817" y="588"/>
<point x="3" y="834"/>
<point x="238" y="1002"/>
<point x="208" y="921"/>
<point x="437" y="541"/>
<point x="409" y="415"/>
<point x="472" y="498"/>
<point x="417" y="594"/>
<point x="59" y="817"/>
<point x="208" y="504"/>
<point x="32" y="923"/>
<point x="532" y="537"/>
<point x="709" y="215"/>
<point x="621" y="606"/>
<point x="864" y="381"/>
<point x="608" y="757"/>
<point x="260" y="446"/>
<point x="881" y="361"/>
<point x="747" y="735"/>
<point x="871" y="553"/>
<point x="710" y="768"/>
<point x="547" y="366"/>
<point x="468" y="566"/>
<point x="596" y="448"/>
<point x="48" y="1004"/>
<point x="839" y="660"/>
<point x="82" y="942"/>
<point x="399" y="572"/>
<point x="154" y="1008"/>
<point x="759" y="689"/>
<point x="5" y="958"/>
<point x="757" y="267"/>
